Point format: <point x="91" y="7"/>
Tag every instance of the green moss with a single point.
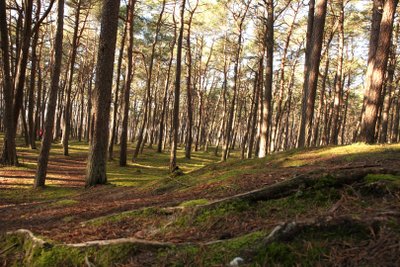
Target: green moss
<point x="370" y="178"/>
<point x="218" y="254"/>
<point x="65" y="202"/>
<point x="112" y="254"/>
<point x="26" y="253"/>
<point x="324" y="182"/>
<point x="150" y="213"/>
<point x="50" y="193"/>
<point x="58" y="256"/>
<point x="194" y="202"/>
<point x="222" y="210"/>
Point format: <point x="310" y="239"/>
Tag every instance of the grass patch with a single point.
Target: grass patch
<point x="64" y="202"/>
<point x="50" y="193"/>
<point x="194" y="202"/>
<point x="146" y="213"/>
<point x="371" y="178"/>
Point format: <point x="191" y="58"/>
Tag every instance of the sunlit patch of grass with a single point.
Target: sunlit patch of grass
<point x="194" y="202"/>
<point x="301" y="157"/>
<point x="50" y="193"/>
<point x="65" y="202"/>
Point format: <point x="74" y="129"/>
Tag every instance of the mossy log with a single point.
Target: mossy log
<point x="319" y="178"/>
<point x="289" y="230"/>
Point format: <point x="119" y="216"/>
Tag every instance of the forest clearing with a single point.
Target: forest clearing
<point x="199" y="133"/>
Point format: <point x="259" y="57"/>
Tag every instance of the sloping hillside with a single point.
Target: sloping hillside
<point x="335" y="205"/>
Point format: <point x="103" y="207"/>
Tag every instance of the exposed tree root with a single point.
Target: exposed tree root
<point x="341" y="177"/>
<point x="289" y="230"/>
<point x="283" y="232"/>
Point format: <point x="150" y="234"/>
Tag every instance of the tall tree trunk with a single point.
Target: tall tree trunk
<point x="396" y="120"/>
<point x="67" y="109"/>
<point x="146" y="115"/>
<point x="267" y="105"/>
<point x="116" y="96"/>
<point x="31" y="101"/>
<point x="314" y="61"/>
<point x="175" y="121"/>
<point x="310" y="23"/>
<point x="23" y="60"/>
<point x="389" y="88"/>
<point x="279" y="113"/>
<point x="9" y="154"/>
<point x="338" y="101"/>
<point x="51" y="105"/>
<point x="96" y="168"/>
<point x="375" y="82"/>
<point x="127" y="87"/>
<point x="373" y="44"/>
<point x="189" y="106"/>
<point x="164" y="111"/>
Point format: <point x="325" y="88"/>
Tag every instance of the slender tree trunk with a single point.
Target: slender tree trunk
<point x="396" y="119"/>
<point x="175" y="121"/>
<point x="267" y="105"/>
<point x="67" y="109"/>
<point x="164" y="111"/>
<point x="43" y="159"/>
<point x="146" y="115"/>
<point x="127" y="86"/>
<point x="9" y="154"/>
<point x="338" y="101"/>
<point x="116" y="97"/>
<point x="310" y="22"/>
<point x="374" y="85"/>
<point x="31" y="101"/>
<point x="278" y="116"/>
<point x="389" y="89"/>
<point x="313" y="68"/>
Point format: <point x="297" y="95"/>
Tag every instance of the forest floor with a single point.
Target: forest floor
<point x="327" y="206"/>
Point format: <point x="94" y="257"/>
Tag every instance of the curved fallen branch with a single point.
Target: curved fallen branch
<point x="291" y="229"/>
<point x="288" y="187"/>
<point x="282" y="232"/>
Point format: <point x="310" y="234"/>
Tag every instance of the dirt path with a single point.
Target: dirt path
<point x="63" y="171"/>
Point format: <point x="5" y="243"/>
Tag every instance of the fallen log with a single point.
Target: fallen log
<point x="303" y="181"/>
<point x="289" y="230"/>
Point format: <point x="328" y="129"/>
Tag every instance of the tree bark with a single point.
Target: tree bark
<point x="189" y="106"/>
<point x="9" y="154"/>
<point x="310" y="21"/>
<point x="267" y="105"/>
<point x="127" y="87"/>
<point x="67" y="109"/>
<point x="338" y="101"/>
<point x="313" y="67"/>
<point x="175" y="119"/>
<point x="116" y="97"/>
<point x="375" y="82"/>
<point x="96" y="167"/>
<point x="43" y="159"/>
<point x="228" y="131"/>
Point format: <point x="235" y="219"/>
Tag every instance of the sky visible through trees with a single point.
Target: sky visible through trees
<point x="215" y="75"/>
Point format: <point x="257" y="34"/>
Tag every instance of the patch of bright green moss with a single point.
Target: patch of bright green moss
<point x="65" y="202"/>
<point x="194" y="202"/>
<point x="26" y="253"/>
<point x="50" y="193"/>
<point x="143" y="213"/>
<point x="370" y="178"/>
<point x="218" y="254"/>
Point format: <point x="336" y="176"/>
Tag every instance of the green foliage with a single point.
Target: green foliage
<point x="370" y="178"/>
<point x="65" y="202"/>
<point x="194" y="202"/>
